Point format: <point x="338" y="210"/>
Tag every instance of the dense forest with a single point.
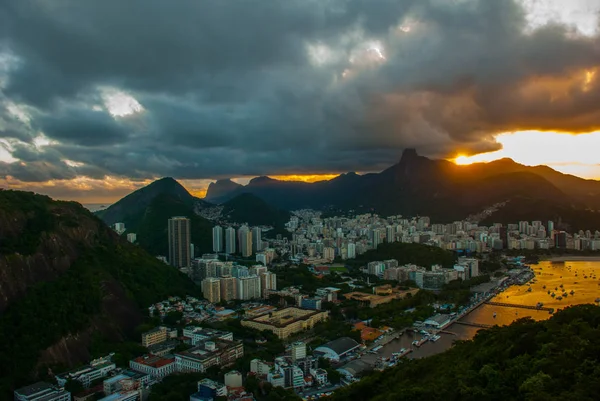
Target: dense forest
<point x="557" y="359"/>
<point x="107" y="284"/>
<point x="406" y="253"/>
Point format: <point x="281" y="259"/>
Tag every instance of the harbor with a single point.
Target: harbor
<point x="524" y="295"/>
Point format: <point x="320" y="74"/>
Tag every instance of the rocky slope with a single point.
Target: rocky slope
<point x="66" y="279"/>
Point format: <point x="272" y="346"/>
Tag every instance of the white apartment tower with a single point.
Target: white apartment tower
<point x="230" y="240"/>
<point x="217" y="234"/>
<point x="248" y="287"/>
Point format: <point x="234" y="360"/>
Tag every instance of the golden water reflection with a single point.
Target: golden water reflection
<point x="551" y="275"/>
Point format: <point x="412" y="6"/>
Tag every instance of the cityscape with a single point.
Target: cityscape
<point x="293" y="200"/>
<point x="239" y="282"/>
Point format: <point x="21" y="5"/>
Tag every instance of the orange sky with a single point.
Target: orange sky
<point x="571" y="154"/>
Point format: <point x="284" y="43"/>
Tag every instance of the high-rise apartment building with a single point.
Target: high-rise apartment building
<point x="230" y="240"/>
<point x="211" y="289"/>
<point x="217" y="234"/>
<point x="351" y="250"/>
<point x="228" y="288"/>
<point x="390" y="234"/>
<point x="329" y="253"/>
<point x="256" y="239"/>
<point x="248" y="287"/>
<point x="268" y="282"/>
<point x="245" y="237"/>
<point x="179" y="242"/>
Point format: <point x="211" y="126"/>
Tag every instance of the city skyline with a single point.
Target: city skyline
<point x="89" y="114"/>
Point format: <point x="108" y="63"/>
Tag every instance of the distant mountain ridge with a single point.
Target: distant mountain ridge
<point x="417" y="185"/>
<point x="220" y="188"/>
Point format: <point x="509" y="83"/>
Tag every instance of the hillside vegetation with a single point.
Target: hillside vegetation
<point x="407" y="253"/>
<point x="66" y="278"/>
<point x="557" y="359"/>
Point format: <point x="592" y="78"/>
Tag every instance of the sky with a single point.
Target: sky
<point x="98" y="98"/>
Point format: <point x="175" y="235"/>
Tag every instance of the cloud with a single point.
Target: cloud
<point x="204" y="89"/>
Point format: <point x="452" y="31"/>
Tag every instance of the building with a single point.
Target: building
<point x="97" y="369"/>
<point x="211" y="289"/>
<point x="261" y="257"/>
<point x="233" y="379"/>
<point x="390" y="234"/>
<point x="132" y="237"/>
<point x="268" y="283"/>
<point x="287" y="321"/>
<point x="41" y="391"/>
<point x="298" y="351"/>
<point x="320" y="376"/>
<point x="126" y="380"/>
<point x="209" y="353"/>
<point x="217" y="235"/>
<point x="209" y="389"/>
<point x="228" y="288"/>
<point x="329" y="253"/>
<point x="311" y="303"/>
<point x="337" y="349"/>
<point x="257" y="239"/>
<point x="155" y="366"/>
<point x="351" y="250"/>
<point x="245" y="239"/>
<point x="438" y="321"/>
<point x="248" y="287"/>
<point x="179" y="242"/>
<point x="154" y="336"/>
<point x="230" y="240"/>
<point x="328" y="294"/>
<point x="200" y="334"/>
<point x="119" y="228"/>
<point x="261" y="368"/>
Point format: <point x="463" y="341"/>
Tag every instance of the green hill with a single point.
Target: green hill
<point x="146" y="211"/>
<point x="151" y="226"/>
<point x="557" y="359"/>
<point x="248" y="208"/>
<point x="67" y="280"/>
<point x="409" y="253"/>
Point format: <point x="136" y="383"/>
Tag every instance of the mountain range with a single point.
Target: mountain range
<point x="501" y="191"/>
<point x="417" y="185"/>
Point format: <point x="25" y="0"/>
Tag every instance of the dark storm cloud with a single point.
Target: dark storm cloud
<point x="256" y="87"/>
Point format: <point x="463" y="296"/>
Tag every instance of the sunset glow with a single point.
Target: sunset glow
<point x="567" y="153"/>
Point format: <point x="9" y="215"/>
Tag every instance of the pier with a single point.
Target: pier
<point x="479" y="325"/>
<point x="551" y="310"/>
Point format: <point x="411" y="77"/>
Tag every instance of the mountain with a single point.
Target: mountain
<point x="140" y="199"/>
<point x="217" y="191"/>
<point x="68" y="284"/>
<point x="555" y="359"/>
<point x="146" y="211"/>
<point x="248" y="208"/>
<point x="417" y="185"/>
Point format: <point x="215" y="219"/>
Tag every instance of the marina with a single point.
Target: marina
<point x="526" y="298"/>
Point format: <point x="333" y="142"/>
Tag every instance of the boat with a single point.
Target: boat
<point x="552" y="295"/>
<point x="377" y="348"/>
<point x="435" y="338"/>
<point x="559" y="298"/>
<point x="494" y="315"/>
<point x="544" y="287"/>
<point x="416" y="342"/>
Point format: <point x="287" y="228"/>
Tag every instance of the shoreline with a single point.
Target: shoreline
<point x="571" y="259"/>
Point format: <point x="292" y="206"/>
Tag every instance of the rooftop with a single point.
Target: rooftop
<point x="34" y="388"/>
<point x="341" y="345"/>
<point x="154" y="361"/>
